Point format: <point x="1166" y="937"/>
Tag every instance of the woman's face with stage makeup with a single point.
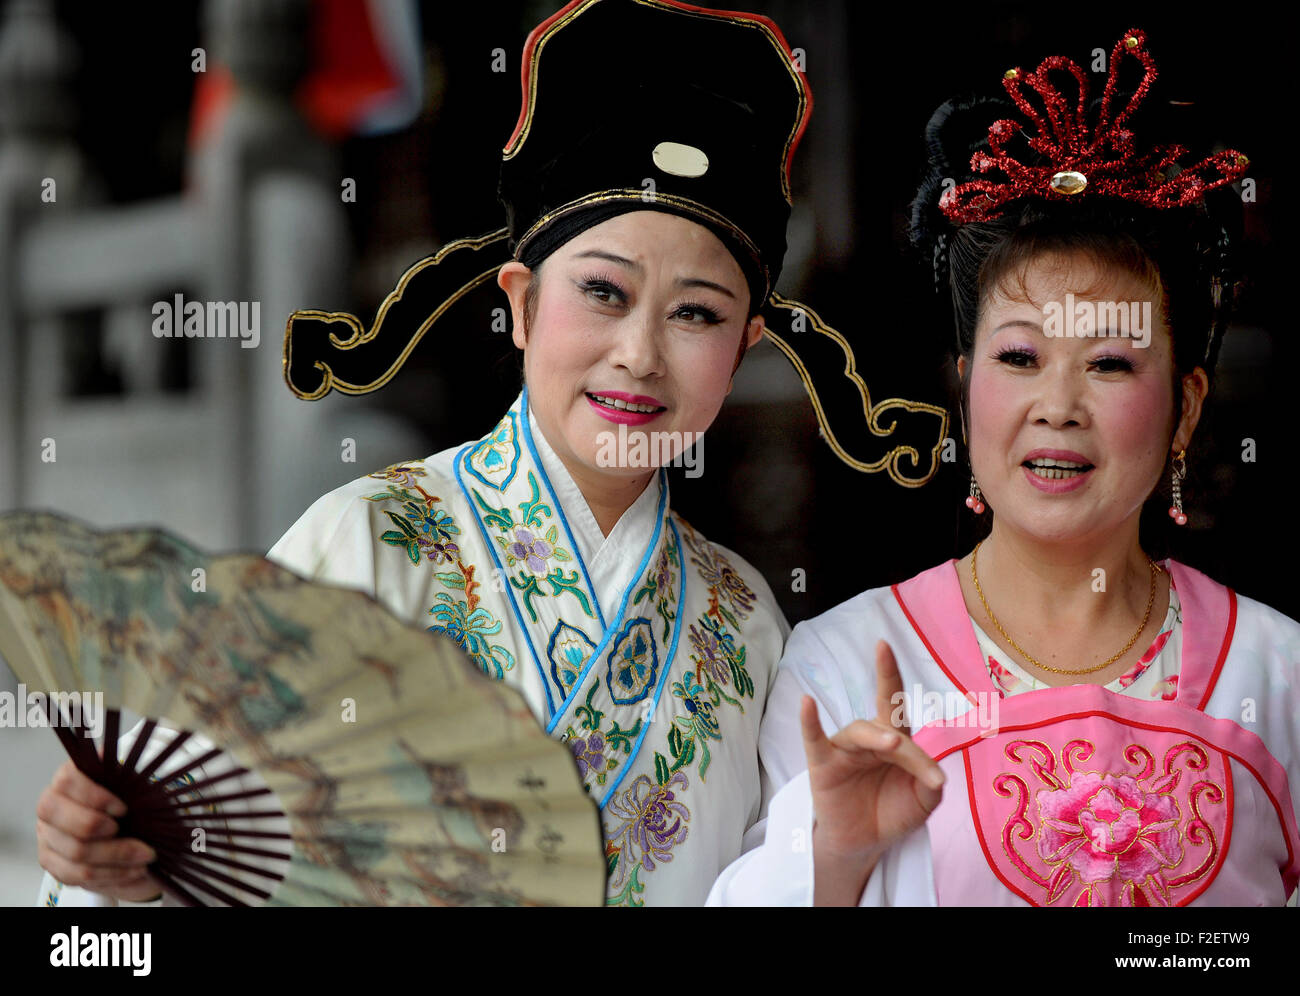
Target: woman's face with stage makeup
<point x="1069" y="431"/>
<point x="638" y="326"/>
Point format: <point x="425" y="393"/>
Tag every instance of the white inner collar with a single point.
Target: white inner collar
<point x="611" y="560"/>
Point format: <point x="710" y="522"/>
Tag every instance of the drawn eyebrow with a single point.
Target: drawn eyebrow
<point x="638" y="269"/>
<point x="696" y="282"/>
<point x="631" y="264"/>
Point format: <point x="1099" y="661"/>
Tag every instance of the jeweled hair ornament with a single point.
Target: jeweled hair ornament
<point x="1083" y="159"/>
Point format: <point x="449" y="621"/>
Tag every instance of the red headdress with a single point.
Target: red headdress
<point x="1098" y="160"/>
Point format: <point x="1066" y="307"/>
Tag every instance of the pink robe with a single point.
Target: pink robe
<point x="1063" y="796"/>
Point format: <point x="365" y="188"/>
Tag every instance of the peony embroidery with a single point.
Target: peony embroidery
<point x="1105" y="838"/>
<point x="1109" y="828"/>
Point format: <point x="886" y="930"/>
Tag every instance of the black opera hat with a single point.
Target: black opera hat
<point x="633" y="105"/>
<point x="651" y="106"/>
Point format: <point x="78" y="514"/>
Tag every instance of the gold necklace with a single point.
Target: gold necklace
<point x="1151" y="597"/>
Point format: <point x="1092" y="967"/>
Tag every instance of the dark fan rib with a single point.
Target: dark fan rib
<point x="177" y="817"/>
<point x="162" y="838"/>
<point x="265" y="834"/>
<point x="180" y="855"/>
<point x="177" y="789"/>
<point x="175" y="773"/>
<point x="108" y="763"/>
<point x="189" y="858"/>
<point x="79" y="748"/>
<point x="169" y="883"/>
<point x="163" y="754"/>
<point x="137" y="748"/>
<point x="169" y="804"/>
<point x="179" y="872"/>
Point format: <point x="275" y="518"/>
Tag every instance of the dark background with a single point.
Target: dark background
<point x="772" y="491"/>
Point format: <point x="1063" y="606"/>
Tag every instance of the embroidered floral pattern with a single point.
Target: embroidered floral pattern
<point x="633" y="663"/>
<point x="423" y="528"/>
<point x="724" y="582"/>
<point x="1108" y="827"/>
<point x="568" y="652"/>
<point x="589" y="753"/>
<point x="494" y="459"/>
<point x="471" y="629"/>
<point x="407" y="474"/>
<point x="661" y="585"/>
<point x="1111" y="838"/>
<point x="646" y="819"/>
<point x="651" y="821"/>
<point x="719" y="678"/>
<point x="533" y="551"/>
<point x="529" y="546"/>
<point x="696" y="728"/>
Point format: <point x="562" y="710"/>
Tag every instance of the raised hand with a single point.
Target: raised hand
<point x="871" y="786"/>
<point x="75" y="834"/>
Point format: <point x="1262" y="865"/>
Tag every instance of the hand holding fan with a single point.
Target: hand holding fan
<point x="349" y="758"/>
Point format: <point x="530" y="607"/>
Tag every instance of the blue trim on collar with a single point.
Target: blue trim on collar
<point x="514" y="419"/>
<point x="559" y="508"/>
<point x="667" y="668"/>
<point x="487" y="541"/>
<point x="609" y="632"/>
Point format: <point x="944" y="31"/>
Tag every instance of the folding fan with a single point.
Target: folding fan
<point x="300" y="745"/>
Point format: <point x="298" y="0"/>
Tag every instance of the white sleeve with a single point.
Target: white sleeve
<point x="776" y="868"/>
<point x="331" y="541"/>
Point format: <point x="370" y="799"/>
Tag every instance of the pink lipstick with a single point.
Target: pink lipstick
<point x="1056" y="471"/>
<point x="623" y="408"/>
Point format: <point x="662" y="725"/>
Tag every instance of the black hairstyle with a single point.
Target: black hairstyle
<point x="1185" y="251"/>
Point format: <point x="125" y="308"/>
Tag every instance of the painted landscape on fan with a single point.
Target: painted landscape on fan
<point x="298" y="745"/>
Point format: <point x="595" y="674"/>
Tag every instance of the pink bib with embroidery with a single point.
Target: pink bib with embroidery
<point x="1084" y="797"/>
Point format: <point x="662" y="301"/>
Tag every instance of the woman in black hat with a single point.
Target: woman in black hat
<point x="645" y="232"/>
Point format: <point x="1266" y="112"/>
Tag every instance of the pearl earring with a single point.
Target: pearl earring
<point x="975" y="501"/>
<point x="1179" y="472"/>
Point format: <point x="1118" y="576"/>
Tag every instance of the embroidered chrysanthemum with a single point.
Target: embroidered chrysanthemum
<point x="718" y="574"/>
<point x="651" y="822"/>
<point x="710" y="650"/>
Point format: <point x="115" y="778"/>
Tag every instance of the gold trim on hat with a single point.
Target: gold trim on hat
<point x="359" y="337"/>
<point x="627" y="194"/>
<point x="873" y="413"/>
<point x="512" y="149"/>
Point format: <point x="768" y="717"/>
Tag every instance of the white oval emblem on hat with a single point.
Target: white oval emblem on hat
<point x="680" y="160"/>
